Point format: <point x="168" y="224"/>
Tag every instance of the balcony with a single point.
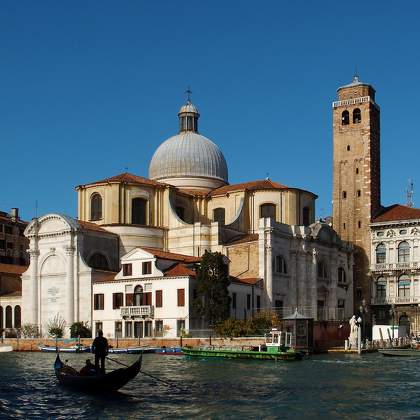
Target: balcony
<point x="397" y="300"/>
<point x="144" y="311"/>
<point x="413" y="265"/>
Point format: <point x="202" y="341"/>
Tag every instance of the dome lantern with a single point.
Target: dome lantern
<point x="188" y="115"/>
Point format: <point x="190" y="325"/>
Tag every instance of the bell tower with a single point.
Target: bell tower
<point x="356" y="183"/>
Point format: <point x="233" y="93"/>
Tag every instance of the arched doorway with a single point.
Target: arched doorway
<point x="404" y="321"/>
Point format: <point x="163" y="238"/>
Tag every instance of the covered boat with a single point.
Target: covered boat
<point x="72" y="349"/>
<point x="111" y="381"/>
<point x="277" y="346"/>
<point x="396" y="352"/>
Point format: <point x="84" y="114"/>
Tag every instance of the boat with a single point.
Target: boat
<point x="5" y="349"/>
<point x="108" y="382"/>
<point x="131" y="350"/>
<point x="400" y="352"/>
<point x="277" y="346"/>
<point x="72" y="349"/>
<point x="169" y="351"/>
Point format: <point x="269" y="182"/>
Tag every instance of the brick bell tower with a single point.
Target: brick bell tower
<point x="356" y="183"/>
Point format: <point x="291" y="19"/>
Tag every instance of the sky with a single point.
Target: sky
<point x="89" y="89"/>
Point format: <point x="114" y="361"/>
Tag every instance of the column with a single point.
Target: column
<point x="269" y="267"/>
<point x="33" y="313"/>
<point x="70" y="286"/>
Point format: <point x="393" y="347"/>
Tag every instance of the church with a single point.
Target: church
<point x="136" y="237"/>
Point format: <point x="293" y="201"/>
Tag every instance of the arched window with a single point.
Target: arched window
<point x="96" y="207"/>
<point x="306" y="216"/>
<point x="322" y="270"/>
<point x="403" y="252"/>
<point x="139" y="211"/>
<point x="9" y="323"/>
<point x="268" y="210"/>
<point x="17" y="316"/>
<point x="1" y="319"/>
<point x="180" y="211"/>
<point x="357" y="116"/>
<point x="381" y="288"/>
<point x="219" y="215"/>
<point x="98" y="261"/>
<point x="138" y="295"/>
<point x="380" y="254"/>
<point x="341" y="275"/>
<point x="345" y="118"/>
<point x="404" y="286"/>
<point x="280" y="264"/>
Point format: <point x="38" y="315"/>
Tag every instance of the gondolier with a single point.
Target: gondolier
<point x="100" y="349"/>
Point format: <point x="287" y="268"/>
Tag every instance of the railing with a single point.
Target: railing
<point x="395" y="266"/>
<point x="137" y="311"/>
<point x="354" y="101"/>
<point x="389" y="300"/>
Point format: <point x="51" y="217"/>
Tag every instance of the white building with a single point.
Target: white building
<point x="152" y="296"/>
<point x="395" y="267"/>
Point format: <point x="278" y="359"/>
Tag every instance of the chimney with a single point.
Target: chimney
<point x="14" y="214"/>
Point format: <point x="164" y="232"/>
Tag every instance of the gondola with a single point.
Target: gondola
<point x="111" y="381"/>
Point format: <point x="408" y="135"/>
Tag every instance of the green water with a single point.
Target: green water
<point x="342" y="386"/>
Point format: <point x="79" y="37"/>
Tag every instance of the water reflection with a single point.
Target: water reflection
<point x="332" y="386"/>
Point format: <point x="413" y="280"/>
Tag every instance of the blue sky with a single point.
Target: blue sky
<point x="88" y="88"/>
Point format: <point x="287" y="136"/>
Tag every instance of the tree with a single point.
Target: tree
<point x="56" y="326"/>
<point x="80" y="329"/>
<point x="212" y="301"/>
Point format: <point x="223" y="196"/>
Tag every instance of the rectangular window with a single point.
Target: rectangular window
<point x="279" y="308"/>
<point x="127" y="269"/>
<point x="344" y="226"/>
<point x="147" y="267"/>
<point x="159" y="327"/>
<point x="341" y="303"/>
<point x="180" y="327"/>
<point x="1" y="228"/>
<point x="357" y="170"/>
<point x="359" y="193"/>
<point x="117" y="300"/>
<point x="8" y="230"/>
<point x="258" y="303"/>
<point x="359" y="224"/>
<point x="344" y="194"/>
<point x="128" y="329"/>
<point x="2" y="244"/>
<point x="181" y="297"/>
<point x="248" y="302"/>
<point x="158" y="298"/>
<point x="98" y="326"/>
<point x="118" y="329"/>
<point x="233" y="300"/>
<point x="98" y="301"/>
<point x="148" y="328"/>
<point x="9" y="245"/>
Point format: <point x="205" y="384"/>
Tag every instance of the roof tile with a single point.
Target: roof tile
<point x="397" y="212"/>
<point x="127" y="178"/>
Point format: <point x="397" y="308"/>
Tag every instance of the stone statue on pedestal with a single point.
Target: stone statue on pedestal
<point x="353" y="331"/>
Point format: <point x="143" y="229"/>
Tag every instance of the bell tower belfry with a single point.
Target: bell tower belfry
<point x="356" y="179"/>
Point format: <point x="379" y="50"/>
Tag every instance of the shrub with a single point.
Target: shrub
<point x="56" y="326"/>
<point x="80" y="329"/>
<point x="30" y="331"/>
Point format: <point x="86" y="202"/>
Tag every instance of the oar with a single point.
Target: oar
<point x="148" y="374"/>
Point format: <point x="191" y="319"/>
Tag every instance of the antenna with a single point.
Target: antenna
<point x="36" y="208"/>
<point x="410" y="193"/>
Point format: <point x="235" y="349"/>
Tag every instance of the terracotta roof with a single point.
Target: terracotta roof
<point x="158" y="253"/>
<point x="397" y="212"/>
<point x="12" y="294"/>
<point x="246" y="238"/>
<point x="262" y="184"/>
<point x="180" y="270"/>
<point x="126" y="178"/>
<point x="92" y="226"/>
<point x="248" y="280"/>
<point x="12" y="268"/>
<point x="192" y="192"/>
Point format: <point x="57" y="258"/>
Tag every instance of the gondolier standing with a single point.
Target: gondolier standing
<point x="100" y="349"/>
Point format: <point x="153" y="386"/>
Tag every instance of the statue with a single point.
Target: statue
<point x="353" y="331"/>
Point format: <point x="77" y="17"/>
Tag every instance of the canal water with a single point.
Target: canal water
<point x="330" y="386"/>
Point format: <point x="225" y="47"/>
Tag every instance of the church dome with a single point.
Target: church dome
<point x="189" y="159"/>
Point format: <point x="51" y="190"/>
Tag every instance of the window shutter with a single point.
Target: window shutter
<point x="181" y="297"/>
<point x="148" y="298"/>
<point x="114" y="301"/>
<point x="158" y="298"/>
<point x="129" y="299"/>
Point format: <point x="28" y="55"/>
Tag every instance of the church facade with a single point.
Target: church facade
<point x="187" y="206"/>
